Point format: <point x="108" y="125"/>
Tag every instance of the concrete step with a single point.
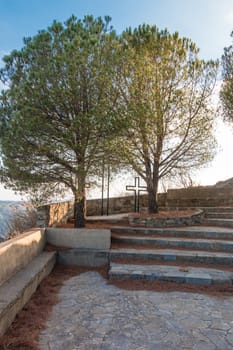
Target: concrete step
<point x="191" y="275"/>
<point x="17" y="291"/>
<point x="191" y="232"/>
<point x="207" y="244"/>
<point x="219" y="222"/>
<point x="172" y="255"/>
<point x="214" y="215"/>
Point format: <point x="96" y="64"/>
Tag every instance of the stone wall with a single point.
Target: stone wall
<point x="118" y="205"/>
<point x="202" y="196"/>
<point x="54" y="214"/>
<point x="194" y="197"/>
<point x="153" y="221"/>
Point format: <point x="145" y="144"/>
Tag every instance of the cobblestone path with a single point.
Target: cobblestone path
<point x="94" y="316"/>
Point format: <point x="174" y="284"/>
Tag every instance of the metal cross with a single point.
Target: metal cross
<point x="137" y="188"/>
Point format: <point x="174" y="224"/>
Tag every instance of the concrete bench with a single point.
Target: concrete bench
<point x="17" y="291"/>
<point x="23" y="265"/>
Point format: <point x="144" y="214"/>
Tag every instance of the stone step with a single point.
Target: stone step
<point x="217" y="209"/>
<point x="172" y="255"/>
<point x="205" y="209"/>
<point x="219" y="222"/>
<point x="191" y="232"/>
<point x="214" y="215"/>
<point x="207" y="244"/>
<point x="190" y="275"/>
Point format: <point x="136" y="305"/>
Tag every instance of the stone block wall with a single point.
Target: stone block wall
<point x="201" y="196"/>
<point x="118" y="205"/>
<point x="54" y="214"/>
<point x="194" y="197"/>
<point x="153" y="221"/>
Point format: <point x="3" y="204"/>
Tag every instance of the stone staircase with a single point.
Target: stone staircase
<point x="201" y="255"/>
<point x="220" y="216"/>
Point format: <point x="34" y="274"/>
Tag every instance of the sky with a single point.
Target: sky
<point x="207" y="22"/>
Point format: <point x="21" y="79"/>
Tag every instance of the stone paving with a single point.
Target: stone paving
<point x="94" y="316"/>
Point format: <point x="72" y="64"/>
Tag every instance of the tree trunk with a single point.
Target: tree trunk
<point x="152" y="188"/>
<point x="152" y="201"/>
<point x="79" y="212"/>
<point x="80" y="205"/>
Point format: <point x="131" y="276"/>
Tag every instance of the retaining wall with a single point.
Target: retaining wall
<point x="150" y="221"/>
<point x="79" y="238"/>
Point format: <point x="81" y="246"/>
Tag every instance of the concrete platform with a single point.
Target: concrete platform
<point x="191" y="275"/>
<point x="17" y="291"/>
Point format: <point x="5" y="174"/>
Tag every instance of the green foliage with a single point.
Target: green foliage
<point x="59" y="106"/>
<point x="226" y="93"/>
<point x="78" y="93"/>
<point x="166" y="90"/>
